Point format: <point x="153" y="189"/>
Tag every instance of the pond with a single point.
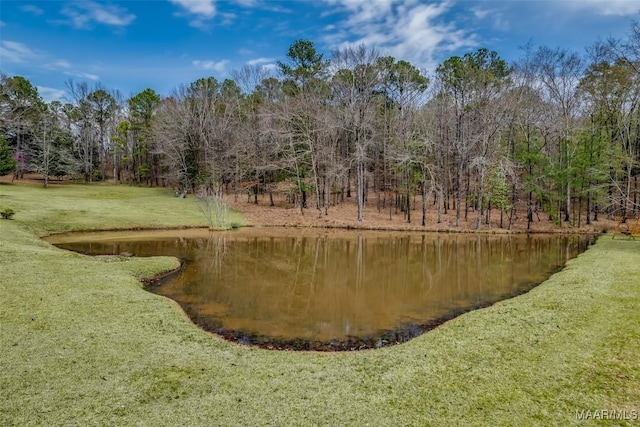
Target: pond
<point x="311" y="289"/>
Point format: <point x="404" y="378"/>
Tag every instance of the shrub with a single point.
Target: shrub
<point x="7" y="213"/>
<point x="96" y="175"/>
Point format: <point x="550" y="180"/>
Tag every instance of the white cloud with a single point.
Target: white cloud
<point x="414" y="31"/>
<point x="82" y="75"/>
<point x="201" y="24"/>
<point x="58" y="64"/>
<point x="203" y="8"/>
<point x="65" y="67"/>
<point x="201" y="12"/>
<point x="15" y="52"/>
<point x="267" y="64"/>
<point x="82" y="14"/>
<point x="247" y="3"/>
<point x="481" y="13"/>
<point x="270" y="67"/>
<point x="219" y="66"/>
<point x="228" y="18"/>
<point x="494" y="16"/>
<point x="366" y="11"/>
<point x="259" y="61"/>
<point x="605" y="7"/>
<point x="32" y="9"/>
<point x="49" y="94"/>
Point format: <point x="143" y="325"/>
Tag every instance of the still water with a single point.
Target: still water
<point x="336" y="290"/>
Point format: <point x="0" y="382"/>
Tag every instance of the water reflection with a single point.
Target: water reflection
<point x="342" y="290"/>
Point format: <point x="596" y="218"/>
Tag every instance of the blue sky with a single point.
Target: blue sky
<point x="132" y="45"/>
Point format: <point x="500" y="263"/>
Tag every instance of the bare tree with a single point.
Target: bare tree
<point x="104" y="112"/>
<point x="473" y="83"/>
<point x="404" y="89"/>
<point x="355" y="80"/>
<point x="558" y="73"/>
<point x="301" y="115"/>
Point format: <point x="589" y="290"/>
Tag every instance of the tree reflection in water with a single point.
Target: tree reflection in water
<point x="342" y="290"/>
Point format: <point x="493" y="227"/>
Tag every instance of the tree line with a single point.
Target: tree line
<point x="556" y="133"/>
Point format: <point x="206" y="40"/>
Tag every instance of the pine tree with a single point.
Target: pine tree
<point x="7" y="162"/>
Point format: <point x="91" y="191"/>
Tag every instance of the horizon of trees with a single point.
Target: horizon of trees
<point x="555" y="132"/>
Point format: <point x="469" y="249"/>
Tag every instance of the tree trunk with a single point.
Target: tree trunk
<point x="424" y="201"/>
<point x="479" y="204"/>
<point x="439" y="205"/>
<point x="360" y="189"/>
<point x="459" y="192"/>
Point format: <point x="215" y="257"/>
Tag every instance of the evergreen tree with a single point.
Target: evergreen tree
<point x="7" y="161"/>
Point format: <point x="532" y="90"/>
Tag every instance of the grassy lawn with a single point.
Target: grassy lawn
<point x="96" y="207"/>
<point x="81" y="343"/>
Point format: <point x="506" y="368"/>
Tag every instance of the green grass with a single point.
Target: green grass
<point x="81" y="343"/>
<point x="63" y="208"/>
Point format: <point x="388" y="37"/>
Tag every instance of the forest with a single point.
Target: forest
<point x="555" y="133"/>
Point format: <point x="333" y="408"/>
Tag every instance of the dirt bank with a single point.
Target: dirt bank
<point x="345" y="215"/>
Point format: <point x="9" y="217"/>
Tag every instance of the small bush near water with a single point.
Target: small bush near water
<point x="7" y="213"/>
